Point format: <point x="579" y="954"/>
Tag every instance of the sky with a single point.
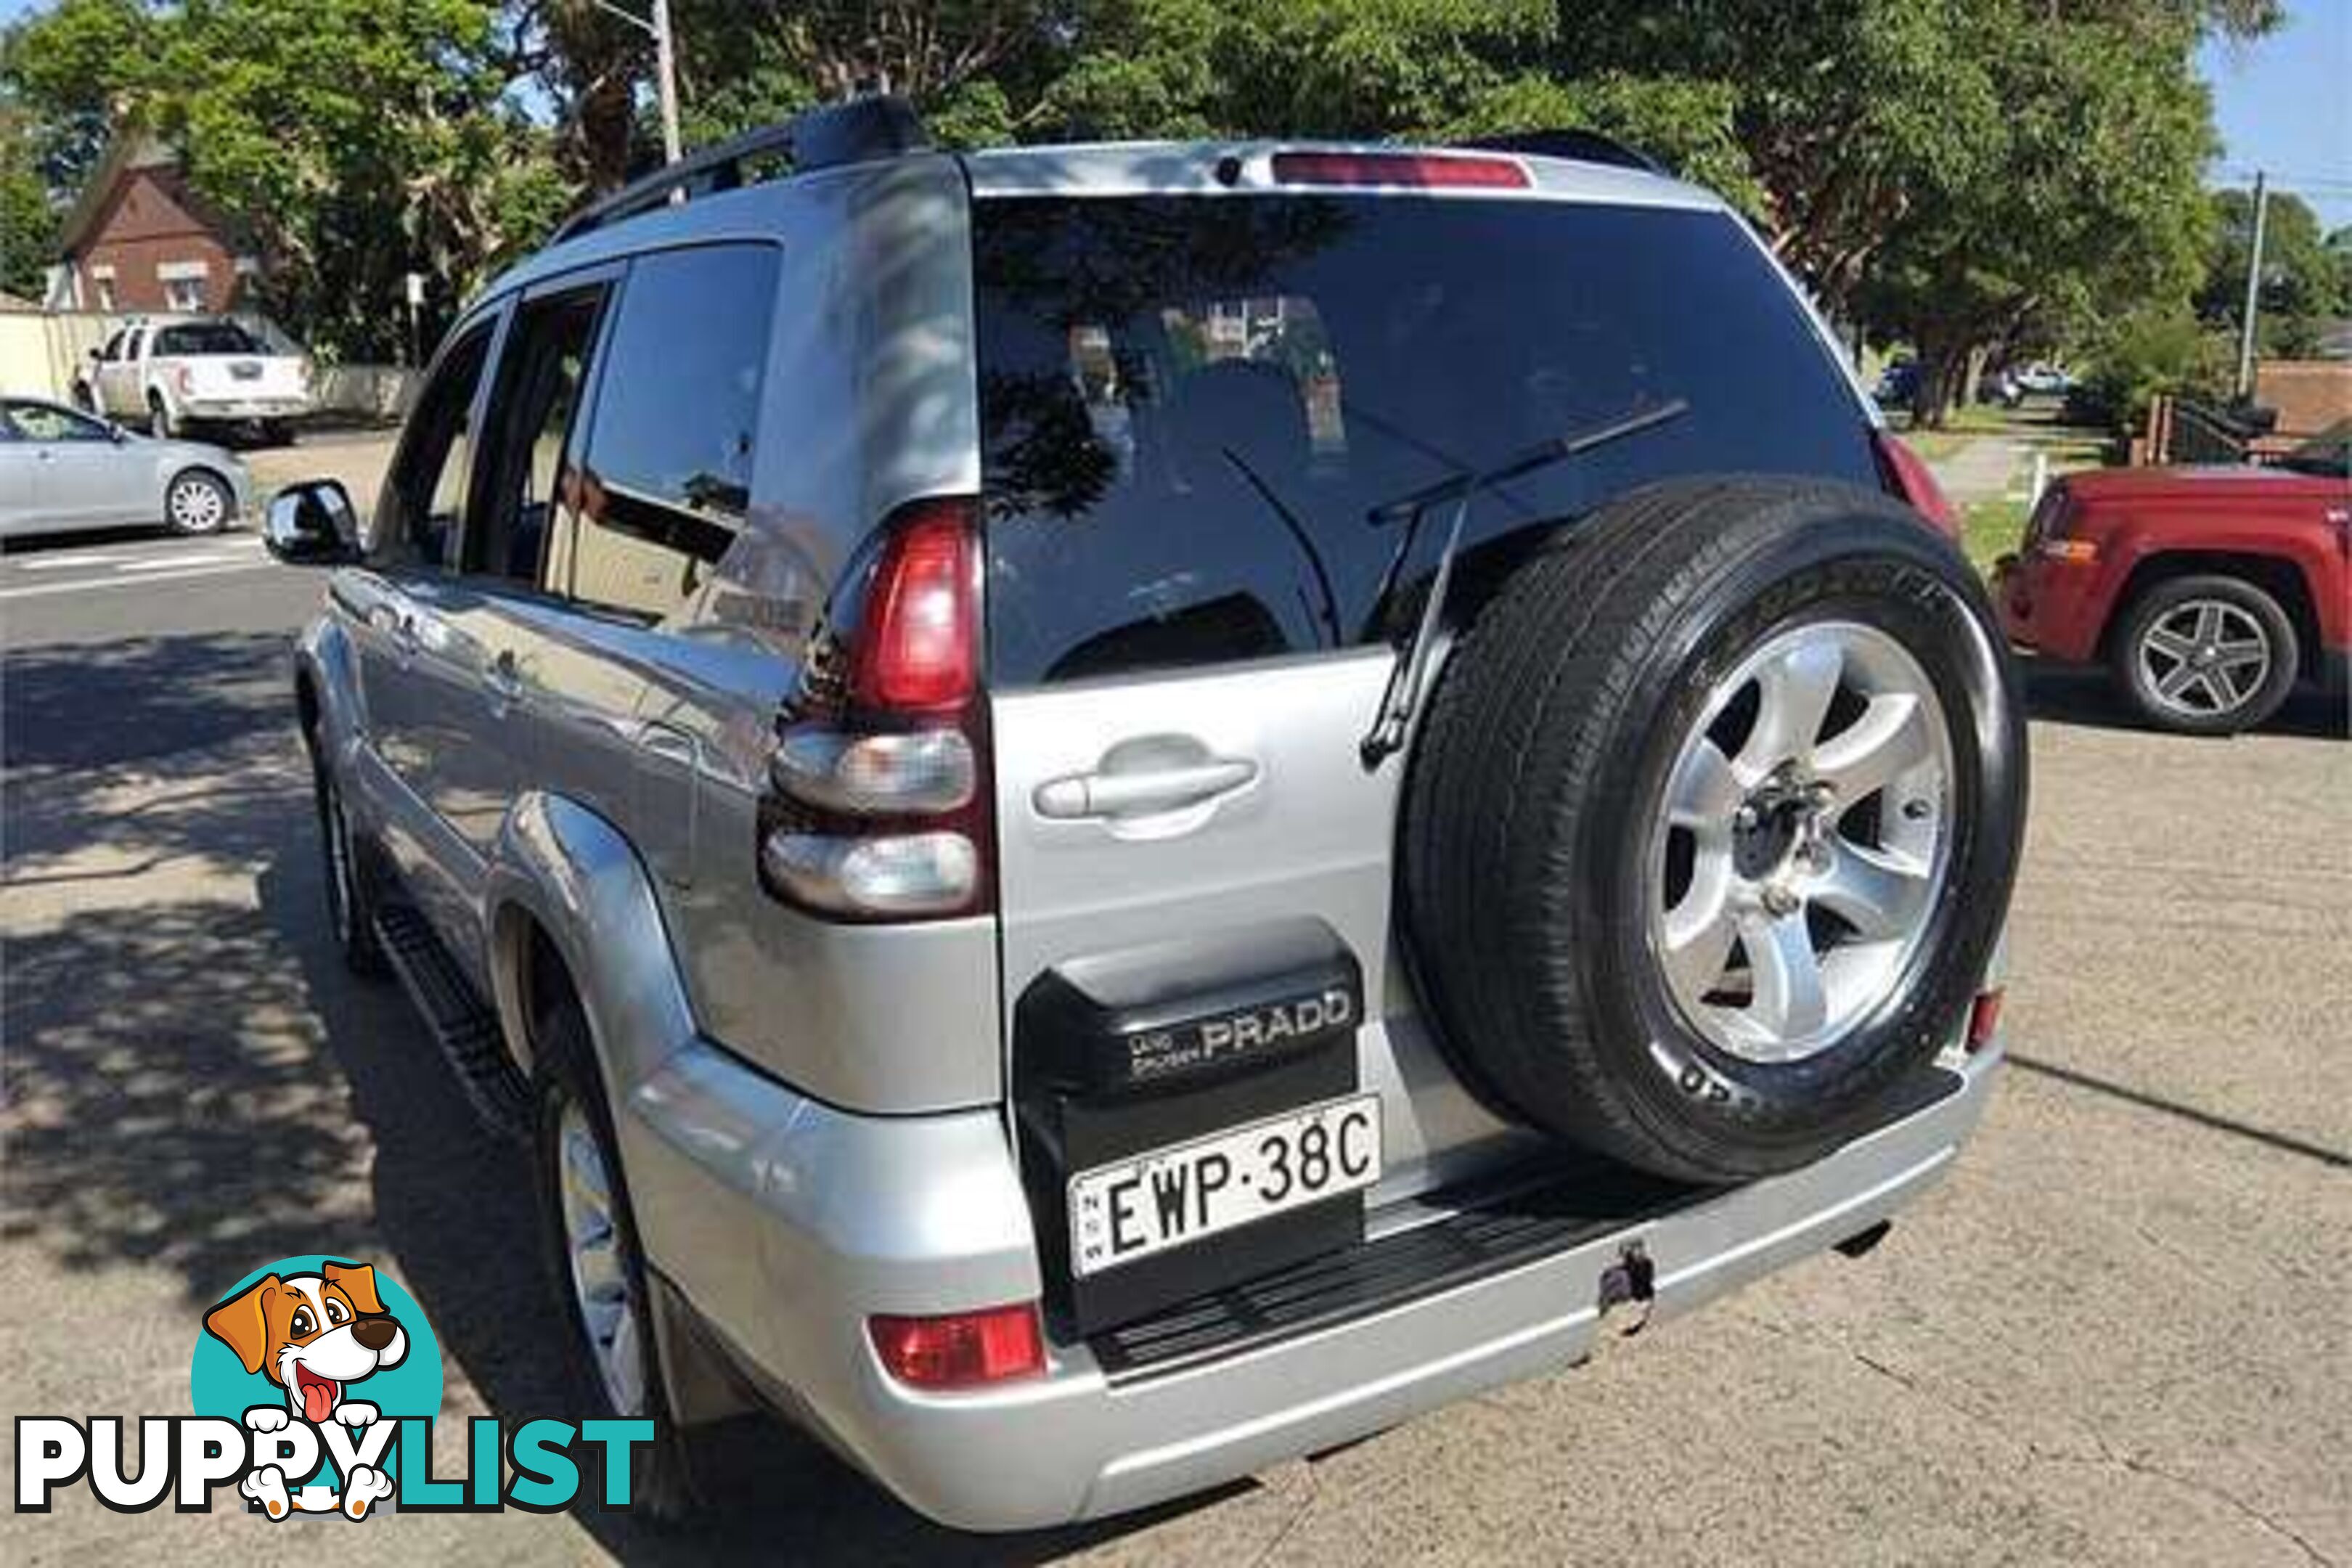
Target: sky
<point x="2283" y="104"/>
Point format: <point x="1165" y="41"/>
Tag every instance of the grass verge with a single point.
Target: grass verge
<point x="1989" y="529"/>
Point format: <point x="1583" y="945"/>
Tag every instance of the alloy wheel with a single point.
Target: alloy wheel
<point x="601" y="1270"/>
<point x="1802" y="841"/>
<point x="2204" y="659"/>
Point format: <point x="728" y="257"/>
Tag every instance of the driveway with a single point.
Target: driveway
<point x="2118" y="1335"/>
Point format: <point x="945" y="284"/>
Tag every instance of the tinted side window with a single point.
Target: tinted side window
<point x="667" y="471"/>
<point x="1195" y="409"/>
<point x="541" y="373"/>
<point x="43" y="422"/>
<point x="425" y="496"/>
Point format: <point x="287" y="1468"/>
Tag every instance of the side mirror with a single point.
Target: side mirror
<point x="116" y="432"/>
<point x="312" y="524"/>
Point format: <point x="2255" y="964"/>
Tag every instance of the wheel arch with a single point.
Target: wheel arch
<point x="325" y="687"/>
<point x="2280" y="576"/>
<point x="565" y="888"/>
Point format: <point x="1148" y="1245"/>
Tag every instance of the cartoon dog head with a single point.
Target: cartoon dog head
<point x="312" y="1334"/>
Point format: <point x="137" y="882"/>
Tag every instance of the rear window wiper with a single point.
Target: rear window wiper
<point x="1402" y="696"/>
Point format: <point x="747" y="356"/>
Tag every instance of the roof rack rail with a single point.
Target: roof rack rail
<point x="879" y="126"/>
<point x="1583" y="146"/>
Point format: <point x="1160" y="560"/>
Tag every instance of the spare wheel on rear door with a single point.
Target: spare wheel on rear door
<point x="1711" y="828"/>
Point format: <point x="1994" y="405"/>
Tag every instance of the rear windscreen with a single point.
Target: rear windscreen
<point x="205" y="338"/>
<point x="1198" y="411"/>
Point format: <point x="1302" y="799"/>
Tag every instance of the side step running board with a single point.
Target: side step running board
<point x="463" y="1025"/>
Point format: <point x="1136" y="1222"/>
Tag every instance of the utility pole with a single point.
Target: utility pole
<point x="665" y="74"/>
<point x="2253" y="293"/>
<point x="665" y="66"/>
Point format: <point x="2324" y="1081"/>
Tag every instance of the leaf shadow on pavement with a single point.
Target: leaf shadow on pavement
<point x="193" y="1082"/>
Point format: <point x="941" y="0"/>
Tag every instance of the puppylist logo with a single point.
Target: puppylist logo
<point x="314" y="1388"/>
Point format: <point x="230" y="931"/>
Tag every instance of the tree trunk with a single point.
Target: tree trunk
<point x="1940" y="365"/>
<point x="1972" y="375"/>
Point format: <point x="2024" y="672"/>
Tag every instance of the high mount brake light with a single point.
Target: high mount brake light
<point x="1416" y="170"/>
<point x="1908" y="478"/>
<point x="878" y="805"/>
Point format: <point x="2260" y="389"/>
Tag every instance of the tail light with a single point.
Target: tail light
<point x="1420" y="171"/>
<point x="1984" y="1020"/>
<point x="182" y="379"/>
<point x="1908" y="480"/>
<point x="961" y="1350"/>
<point x="879" y="805"/>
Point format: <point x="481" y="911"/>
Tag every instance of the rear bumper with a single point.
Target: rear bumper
<point x="244" y="407"/>
<point x="785" y="1223"/>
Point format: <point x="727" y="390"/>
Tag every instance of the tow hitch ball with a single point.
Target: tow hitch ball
<point x="1627" y="1288"/>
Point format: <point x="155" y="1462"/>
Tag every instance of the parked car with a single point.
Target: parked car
<point x="61" y="469"/>
<point x="1897" y="384"/>
<point x="2041" y="380"/>
<point x="1112" y="813"/>
<point x="177" y="375"/>
<point x="2207" y="592"/>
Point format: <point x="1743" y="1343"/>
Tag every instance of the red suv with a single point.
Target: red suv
<point x="2207" y="592"/>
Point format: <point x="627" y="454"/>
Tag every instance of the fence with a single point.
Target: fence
<point x="40" y="350"/>
<point x="2293" y="401"/>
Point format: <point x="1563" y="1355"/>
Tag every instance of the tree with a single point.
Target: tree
<point x="353" y="141"/>
<point x="27" y="217"/>
<point x="2304" y="281"/>
<point x="2082" y="194"/>
<point x="75" y="71"/>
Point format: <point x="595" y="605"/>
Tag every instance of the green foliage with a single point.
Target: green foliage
<point x="349" y="140"/>
<point x="1963" y="173"/>
<point x="29" y="220"/>
<point x="2129" y="359"/>
<point x="2306" y="279"/>
<point x="2080" y="189"/>
<point x="76" y="67"/>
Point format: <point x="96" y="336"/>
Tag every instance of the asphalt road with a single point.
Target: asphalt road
<point x="2122" y="1333"/>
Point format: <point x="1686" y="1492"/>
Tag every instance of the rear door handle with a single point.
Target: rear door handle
<point x="1115" y="791"/>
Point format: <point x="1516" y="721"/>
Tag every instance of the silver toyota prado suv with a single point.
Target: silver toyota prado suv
<point x="1113" y="813"/>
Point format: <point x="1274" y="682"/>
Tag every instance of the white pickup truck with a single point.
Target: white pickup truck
<point x="174" y="375"/>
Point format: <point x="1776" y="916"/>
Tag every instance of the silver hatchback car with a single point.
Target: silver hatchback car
<point x="1113" y="813"/>
<point x="62" y="470"/>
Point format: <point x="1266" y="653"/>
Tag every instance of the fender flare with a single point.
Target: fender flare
<point x="560" y="866"/>
<point x="324" y="657"/>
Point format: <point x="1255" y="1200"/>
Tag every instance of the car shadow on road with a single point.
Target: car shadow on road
<point x="195" y="1084"/>
<point x="2083" y="697"/>
<point x="454" y="1205"/>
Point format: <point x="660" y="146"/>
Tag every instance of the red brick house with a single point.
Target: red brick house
<point x="140" y="239"/>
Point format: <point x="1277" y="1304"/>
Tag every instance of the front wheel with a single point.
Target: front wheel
<point x="2206" y="655"/>
<point x="197" y="503"/>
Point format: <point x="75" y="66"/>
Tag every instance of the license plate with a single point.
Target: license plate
<point x="245" y="369"/>
<point x="1188" y="1192"/>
